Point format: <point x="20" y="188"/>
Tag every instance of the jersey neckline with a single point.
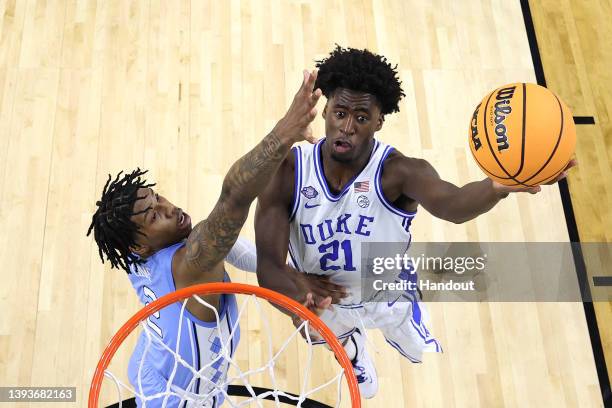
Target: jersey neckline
<point x="321" y="174"/>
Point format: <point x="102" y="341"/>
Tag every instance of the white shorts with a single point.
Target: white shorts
<point x="401" y="321"/>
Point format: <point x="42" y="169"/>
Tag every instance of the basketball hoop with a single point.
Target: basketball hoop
<point x="310" y="321"/>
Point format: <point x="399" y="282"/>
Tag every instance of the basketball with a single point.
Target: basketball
<point x="522" y="134"/>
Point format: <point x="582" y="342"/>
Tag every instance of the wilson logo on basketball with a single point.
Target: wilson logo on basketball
<point x="502" y="110"/>
<point x="474" y="129"/>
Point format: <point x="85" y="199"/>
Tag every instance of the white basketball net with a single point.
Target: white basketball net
<point x="218" y="388"/>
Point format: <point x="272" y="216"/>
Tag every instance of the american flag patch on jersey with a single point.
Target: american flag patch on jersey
<point x="362" y="186"/>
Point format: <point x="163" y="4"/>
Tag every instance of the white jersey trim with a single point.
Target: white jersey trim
<point x="294" y="258"/>
<point x="379" y="191"/>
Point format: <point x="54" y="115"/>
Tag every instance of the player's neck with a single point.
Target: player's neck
<point x="338" y="173"/>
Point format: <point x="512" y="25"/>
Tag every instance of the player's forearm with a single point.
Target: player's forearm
<point x="472" y="200"/>
<point x="280" y="279"/>
<point x="250" y="174"/>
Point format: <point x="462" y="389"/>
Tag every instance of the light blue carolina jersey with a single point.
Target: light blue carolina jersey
<point x="199" y="343"/>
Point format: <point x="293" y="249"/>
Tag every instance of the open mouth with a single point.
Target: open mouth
<point x="342" y="146"/>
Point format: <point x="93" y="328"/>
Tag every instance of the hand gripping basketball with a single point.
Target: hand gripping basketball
<point x="522" y="135"/>
<point x="503" y="189"/>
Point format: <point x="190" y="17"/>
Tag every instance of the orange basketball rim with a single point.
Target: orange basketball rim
<point x="217" y="289"/>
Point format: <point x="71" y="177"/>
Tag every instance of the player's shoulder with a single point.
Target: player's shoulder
<point x="281" y="185"/>
<point x="287" y="166"/>
<point x="399" y="165"/>
<point x="289" y="162"/>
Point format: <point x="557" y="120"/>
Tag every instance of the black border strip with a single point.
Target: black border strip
<point x="127" y="403"/>
<point x="602" y="280"/>
<point x="570" y="219"/>
<point x="584" y="120"/>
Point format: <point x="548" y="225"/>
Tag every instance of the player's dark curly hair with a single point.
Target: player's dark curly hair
<point x="362" y="71"/>
<point x="113" y="229"/>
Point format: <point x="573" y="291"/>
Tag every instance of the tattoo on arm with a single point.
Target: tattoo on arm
<point x="249" y="175"/>
<point x="211" y="240"/>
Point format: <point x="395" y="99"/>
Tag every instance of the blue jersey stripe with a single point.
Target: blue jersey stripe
<point x="379" y="192"/>
<point x="340" y="337"/>
<point x="297" y="183"/>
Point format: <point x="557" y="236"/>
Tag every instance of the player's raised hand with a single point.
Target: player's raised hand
<point x="296" y="122"/>
<point x="500" y="188"/>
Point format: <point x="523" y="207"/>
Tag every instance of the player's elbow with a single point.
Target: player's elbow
<point x="268" y="273"/>
<point x="454" y="218"/>
<point x="263" y="277"/>
<point x="459" y="220"/>
<point x="233" y="197"/>
<point x="229" y="193"/>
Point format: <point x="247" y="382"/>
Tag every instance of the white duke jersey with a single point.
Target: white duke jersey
<point x="326" y="229"/>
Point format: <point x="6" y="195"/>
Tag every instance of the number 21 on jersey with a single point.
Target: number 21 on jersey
<point x="337" y="255"/>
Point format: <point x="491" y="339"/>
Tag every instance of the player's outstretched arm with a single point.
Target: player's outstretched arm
<point x="421" y="182"/>
<point x="211" y="239"/>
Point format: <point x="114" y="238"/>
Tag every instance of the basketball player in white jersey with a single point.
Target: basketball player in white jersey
<point x="153" y="241"/>
<point x="350" y="188"/>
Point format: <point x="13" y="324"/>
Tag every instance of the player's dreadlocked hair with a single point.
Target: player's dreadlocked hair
<point x="362" y="71"/>
<point x="114" y="231"/>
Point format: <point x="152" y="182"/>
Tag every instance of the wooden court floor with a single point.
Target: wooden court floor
<point x="576" y="55"/>
<point x="183" y="88"/>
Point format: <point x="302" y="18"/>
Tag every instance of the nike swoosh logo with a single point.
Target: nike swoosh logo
<point x="311" y="206"/>
<point x="392" y="303"/>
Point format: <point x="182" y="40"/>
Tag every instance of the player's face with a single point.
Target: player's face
<point x="162" y="222"/>
<point x="351" y="119"/>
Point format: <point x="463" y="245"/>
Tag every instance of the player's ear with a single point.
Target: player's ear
<point x="324" y="111"/>
<point x="380" y="122"/>
<point x="142" y="250"/>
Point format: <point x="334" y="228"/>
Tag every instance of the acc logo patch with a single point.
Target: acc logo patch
<point x="309" y="192"/>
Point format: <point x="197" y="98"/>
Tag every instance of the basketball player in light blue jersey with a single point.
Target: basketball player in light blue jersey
<point x="350" y="188"/>
<point x="143" y="233"/>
